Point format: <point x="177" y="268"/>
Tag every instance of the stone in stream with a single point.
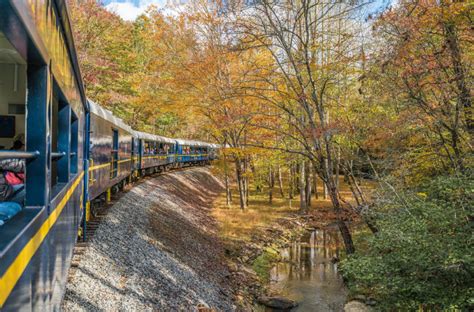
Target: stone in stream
<point x="356" y="306"/>
<point x="278" y="303"/>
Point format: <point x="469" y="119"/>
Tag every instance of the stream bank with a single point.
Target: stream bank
<point x="293" y="260"/>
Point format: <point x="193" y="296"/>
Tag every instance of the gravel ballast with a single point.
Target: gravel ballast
<point x="157" y="249"/>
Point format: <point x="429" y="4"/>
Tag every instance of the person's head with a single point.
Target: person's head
<point x="17" y="145"/>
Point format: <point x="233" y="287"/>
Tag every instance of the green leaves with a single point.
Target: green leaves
<point x="422" y="254"/>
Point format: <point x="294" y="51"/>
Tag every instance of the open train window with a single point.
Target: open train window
<point x="64" y="131"/>
<point x="149" y="148"/>
<point x="13" y="77"/>
<point x="115" y="148"/>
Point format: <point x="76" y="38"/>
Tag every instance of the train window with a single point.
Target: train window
<point x="115" y="148"/>
<point x="62" y="121"/>
<point x="149" y="148"/>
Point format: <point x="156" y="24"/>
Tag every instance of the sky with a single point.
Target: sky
<point x="130" y="9"/>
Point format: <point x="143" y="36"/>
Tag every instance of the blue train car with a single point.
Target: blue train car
<point x="155" y="153"/>
<point x="190" y="152"/>
<point x="42" y="105"/>
<point x="74" y="152"/>
<point x="109" y="153"/>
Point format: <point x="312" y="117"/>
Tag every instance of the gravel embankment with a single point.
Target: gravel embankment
<point x="156" y="250"/>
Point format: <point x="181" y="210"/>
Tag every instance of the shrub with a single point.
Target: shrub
<point x="422" y="255"/>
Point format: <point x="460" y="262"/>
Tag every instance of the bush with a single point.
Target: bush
<point x="422" y="255"/>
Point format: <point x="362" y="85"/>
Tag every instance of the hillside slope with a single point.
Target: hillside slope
<point x="157" y="249"/>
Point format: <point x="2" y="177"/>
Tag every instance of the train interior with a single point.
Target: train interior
<point x="12" y="127"/>
<point x="12" y="95"/>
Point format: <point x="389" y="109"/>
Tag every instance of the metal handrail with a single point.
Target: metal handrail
<point x="18" y="155"/>
<point x="57" y="155"/>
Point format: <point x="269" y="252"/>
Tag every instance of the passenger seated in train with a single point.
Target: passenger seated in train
<point x="12" y="187"/>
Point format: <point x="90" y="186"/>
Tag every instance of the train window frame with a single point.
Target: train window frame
<point x="37" y="100"/>
<point x="114" y="155"/>
<point x="61" y="120"/>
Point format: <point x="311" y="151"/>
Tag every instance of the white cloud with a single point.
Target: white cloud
<point x="128" y="11"/>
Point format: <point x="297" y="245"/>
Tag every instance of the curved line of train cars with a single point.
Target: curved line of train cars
<point x="76" y="154"/>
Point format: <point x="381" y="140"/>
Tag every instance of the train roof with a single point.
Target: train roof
<point x="98" y="110"/>
<point x="193" y="143"/>
<point x="153" y="137"/>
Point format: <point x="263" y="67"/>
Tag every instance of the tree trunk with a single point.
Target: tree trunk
<point x="315" y="187"/>
<point x="280" y="182"/>
<point x="271" y="184"/>
<point x="464" y="93"/>
<point x="333" y="193"/>
<point x="345" y="233"/>
<point x="308" y="185"/>
<point x="338" y="164"/>
<point x="296" y="176"/>
<point x="325" y="187"/>
<point x="302" y="182"/>
<point x="241" y="184"/>
<point x="360" y="200"/>
<point x="246" y="181"/>
<point x="325" y="191"/>
<point x="228" y="193"/>
<point x="290" y="181"/>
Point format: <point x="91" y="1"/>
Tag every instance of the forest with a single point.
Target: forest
<point x="306" y="97"/>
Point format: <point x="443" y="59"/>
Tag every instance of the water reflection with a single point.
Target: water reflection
<point x="307" y="274"/>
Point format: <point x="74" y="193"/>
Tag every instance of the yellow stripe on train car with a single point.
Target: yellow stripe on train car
<point x="16" y="269"/>
<point x="92" y="168"/>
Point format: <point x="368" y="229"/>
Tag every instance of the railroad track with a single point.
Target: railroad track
<point x="92" y="226"/>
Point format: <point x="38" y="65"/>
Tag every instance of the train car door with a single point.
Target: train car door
<point x="115" y="148"/>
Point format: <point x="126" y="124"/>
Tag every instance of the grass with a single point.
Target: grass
<point x="239" y="224"/>
<point x="263" y="263"/>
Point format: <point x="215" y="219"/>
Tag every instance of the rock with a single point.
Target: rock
<point x="249" y="271"/>
<point x="356" y="306"/>
<point x="245" y="259"/>
<point x="233" y="267"/>
<point x="371" y="302"/>
<point x="360" y="298"/>
<point x="334" y="259"/>
<point x="202" y="307"/>
<point x="279" y="303"/>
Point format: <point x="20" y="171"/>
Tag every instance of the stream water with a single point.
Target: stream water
<point x="307" y="274"/>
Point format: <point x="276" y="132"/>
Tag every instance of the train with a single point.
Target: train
<point x="76" y="153"/>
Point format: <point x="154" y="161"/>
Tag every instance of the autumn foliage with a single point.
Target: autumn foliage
<point x="314" y="91"/>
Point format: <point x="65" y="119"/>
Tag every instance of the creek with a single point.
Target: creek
<point x="307" y="272"/>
